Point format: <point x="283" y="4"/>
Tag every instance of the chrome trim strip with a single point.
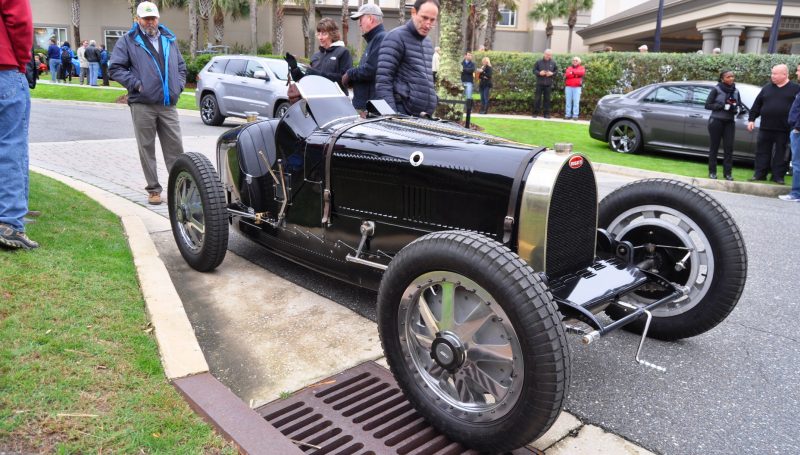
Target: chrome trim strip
<point x="534" y="212"/>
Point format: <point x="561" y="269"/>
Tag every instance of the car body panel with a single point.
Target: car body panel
<point x="672" y="118"/>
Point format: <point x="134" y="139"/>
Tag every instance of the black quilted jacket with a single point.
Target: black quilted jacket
<point x="405" y="77"/>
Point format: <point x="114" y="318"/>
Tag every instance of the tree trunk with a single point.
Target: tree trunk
<point x="309" y="13"/>
<point x="401" y="11"/>
<point x="548" y="30"/>
<point x="76" y="22"/>
<point x="277" y="31"/>
<point x="204" y="8"/>
<point x="219" y="25"/>
<point x="361" y="40"/>
<point x="253" y="27"/>
<point x="192" y="5"/>
<point x="491" y="25"/>
<point x="451" y="43"/>
<point x="470" y="32"/>
<point x="345" y="20"/>
<point x="573" y="19"/>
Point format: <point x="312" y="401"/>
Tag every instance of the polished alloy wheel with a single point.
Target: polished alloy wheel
<point x="624" y="138"/>
<point x="678" y="247"/>
<point x="462" y="344"/>
<point x="189" y="211"/>
<point x="208" y="108"/>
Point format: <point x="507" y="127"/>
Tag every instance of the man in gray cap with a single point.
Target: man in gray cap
<point x="362" y="77"/>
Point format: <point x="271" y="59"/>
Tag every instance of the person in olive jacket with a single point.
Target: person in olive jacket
<point x="724" y="103"/>
<point x="147" y="62"/>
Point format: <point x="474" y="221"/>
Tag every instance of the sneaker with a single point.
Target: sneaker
<point x="13" y="238"/>
<point x="712" y="176"/>
<point x="729" y="177"/>
<point x="789" y="198"/>
<point x="154" y="198"/>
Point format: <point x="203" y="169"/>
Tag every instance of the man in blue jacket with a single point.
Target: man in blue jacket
<point x="146" y="60"/>
<point x="405" y="73"/>
<point x="362" y="77"/>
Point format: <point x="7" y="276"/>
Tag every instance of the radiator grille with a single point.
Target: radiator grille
<point x="359" y="411"/>
<point x="572" y="221"/>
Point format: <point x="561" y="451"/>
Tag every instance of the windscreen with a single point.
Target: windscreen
<point x="325" y="99"/>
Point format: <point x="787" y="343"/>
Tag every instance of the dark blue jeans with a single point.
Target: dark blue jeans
<point x="485" y="98"/>
<point x="15" y="111"/>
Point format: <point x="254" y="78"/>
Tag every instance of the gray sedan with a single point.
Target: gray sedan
<point x="231" y="85"/>
<point x="668" y="117"/>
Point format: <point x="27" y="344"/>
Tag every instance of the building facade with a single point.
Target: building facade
<point x="734" y="26"/>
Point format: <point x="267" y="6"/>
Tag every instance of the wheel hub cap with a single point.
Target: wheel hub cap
<point x="447" y="351"/>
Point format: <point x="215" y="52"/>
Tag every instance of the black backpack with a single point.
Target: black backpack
<point x="66" y="57"/>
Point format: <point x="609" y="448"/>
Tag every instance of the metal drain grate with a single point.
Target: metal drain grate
<point x="359" y="411"/>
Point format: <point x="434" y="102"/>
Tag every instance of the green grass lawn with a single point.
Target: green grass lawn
<point x="79" y="366"/>
<point x="546" y="134"/>
<point x="85" y="93"/>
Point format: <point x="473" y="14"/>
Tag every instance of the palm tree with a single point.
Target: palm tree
<point x="235" y="8"/>
<point x="309" y="14"/>
<point x="546" y="12"/>
<point x="492" y="13"/>
<point x="451" y="41"/>
<point x="204" y="9"/>
<point x="474" y="21"/>
<point x="570" y="9"/>
<point x="277" y="29"/>
<point x="76" y="22"/>
<point x="253" y="13"/>
<point x="345" y="17"/>
<point x="401" y="11"/>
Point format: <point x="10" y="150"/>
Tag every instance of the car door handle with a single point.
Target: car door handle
<point x="695" y="115"/>
<point x="645" y="110"/>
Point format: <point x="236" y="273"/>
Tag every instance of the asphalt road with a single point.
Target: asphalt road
<point x="731" y="390"/>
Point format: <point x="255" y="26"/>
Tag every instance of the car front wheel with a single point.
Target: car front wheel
<point x="684" y="235"/>
<point x="474" y="339"/>
<point x="197" y="212"/>
<point x="281" y="109"/>
<point x="209" y="110"/>
<point x="625" y="137"/>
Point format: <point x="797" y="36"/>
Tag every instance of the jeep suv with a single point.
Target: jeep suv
<point x="231" y="85"/>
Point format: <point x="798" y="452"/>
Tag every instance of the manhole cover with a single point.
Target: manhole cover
<point x="359" y="411"/>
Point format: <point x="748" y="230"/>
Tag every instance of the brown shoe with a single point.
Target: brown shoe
<point x="154" y="198"/>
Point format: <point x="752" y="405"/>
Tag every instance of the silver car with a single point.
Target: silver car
<point x="230" y="85"/>
<point x="669" y="117"/>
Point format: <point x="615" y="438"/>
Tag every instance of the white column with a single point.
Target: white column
<point x="730" y="38"/>
<point x="754" y="36"/>
<point x="710" y="40"/>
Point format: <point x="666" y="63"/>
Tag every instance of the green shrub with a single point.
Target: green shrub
<point x="195" y="65"/>
<point x="265" y="48"/>
<point x="617" y="72"/>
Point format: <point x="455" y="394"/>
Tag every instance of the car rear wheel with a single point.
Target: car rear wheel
<point x="625" y="137"/>
<point x="197" y="212"/>
<point x="281" y="109"/>
<point x="474" y="339"/>
<point x="691" y="240"/>
<point x="209" y="110"/>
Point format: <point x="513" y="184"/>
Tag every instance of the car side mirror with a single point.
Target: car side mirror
<point x="261" y="75"/>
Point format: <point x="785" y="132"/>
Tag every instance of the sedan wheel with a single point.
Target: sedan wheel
<point x="281" y="109"/>
<point x="209" y="111"/>
<point x="625" y="137"/>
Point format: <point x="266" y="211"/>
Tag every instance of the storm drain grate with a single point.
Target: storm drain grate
<point x="359" y="411"/>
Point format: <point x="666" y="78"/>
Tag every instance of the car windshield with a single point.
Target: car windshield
<point x="325" y="99"/>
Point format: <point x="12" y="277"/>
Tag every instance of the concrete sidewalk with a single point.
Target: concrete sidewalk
<point x="245" y="326"/>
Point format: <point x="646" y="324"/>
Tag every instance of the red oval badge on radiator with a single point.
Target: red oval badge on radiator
<point x="576" y="161"/>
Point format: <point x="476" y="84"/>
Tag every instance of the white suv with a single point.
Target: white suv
<point x="230" y="85"/>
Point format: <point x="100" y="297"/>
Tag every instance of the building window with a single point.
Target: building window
<point x="508" y="17"/>
<point x="42" y="35"/>
<point x="110" y="38"/>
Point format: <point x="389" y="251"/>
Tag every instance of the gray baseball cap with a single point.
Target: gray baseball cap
<point x="367" y="8"/>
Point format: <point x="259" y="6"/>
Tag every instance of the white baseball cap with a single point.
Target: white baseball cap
<point x="147" y="9"/>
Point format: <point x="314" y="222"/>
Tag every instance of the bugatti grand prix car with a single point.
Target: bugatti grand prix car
<point x="485" y="253"/>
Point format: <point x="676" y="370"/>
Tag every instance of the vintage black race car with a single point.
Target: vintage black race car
<point x="484" y="252"/>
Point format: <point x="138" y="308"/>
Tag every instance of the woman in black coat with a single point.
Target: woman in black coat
<point x="485" y="84"/>
<point x="332" y="59"/>
<point x="724" y="103"/>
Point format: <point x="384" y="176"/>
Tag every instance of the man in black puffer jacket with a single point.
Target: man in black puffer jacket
<point x="405" y="76"/>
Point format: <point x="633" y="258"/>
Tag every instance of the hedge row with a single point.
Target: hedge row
<point x="618" y="72"/>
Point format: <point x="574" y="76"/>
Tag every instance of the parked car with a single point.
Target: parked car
<point x="231" y="85"/>
<point x="669" y="117"/>
<point x="484" y="252"/>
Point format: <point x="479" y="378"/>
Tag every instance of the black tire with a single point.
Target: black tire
<point x="509" y="309"/>
<point x="281" y="108"/>
<point x="624" y="136"/>
<point x="209" y="110"/>
<point x="197" y="212"/>
<point x="668" y="212"/>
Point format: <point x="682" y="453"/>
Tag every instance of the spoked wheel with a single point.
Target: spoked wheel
<point x="281" y="109"/>
<point x="197" y="212"/>
<point x="209" y="111"/>
<point x="474" y="340"/>
<point x="687" y="237"/>
<point x="625" y="137"/>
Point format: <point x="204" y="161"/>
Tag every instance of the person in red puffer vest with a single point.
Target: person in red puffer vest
<point x="573" y="82"/>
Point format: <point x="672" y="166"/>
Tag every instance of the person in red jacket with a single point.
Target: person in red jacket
<point x="573" y="81"/>
<point x="16" y="42"/>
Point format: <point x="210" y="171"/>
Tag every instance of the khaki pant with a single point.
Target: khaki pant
<point x="149" y="120"/>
